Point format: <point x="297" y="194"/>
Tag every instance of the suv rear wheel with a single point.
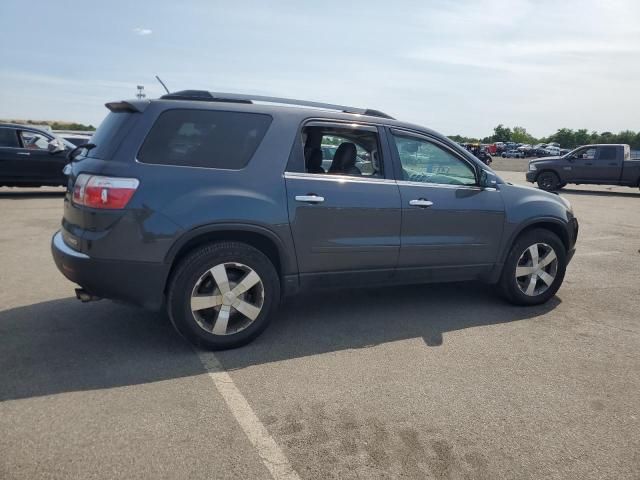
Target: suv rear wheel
<point x="222" y="295"/>
<point x="534" y="269"/>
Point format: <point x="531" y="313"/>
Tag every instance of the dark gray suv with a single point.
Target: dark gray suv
<point x="215" y="206"/>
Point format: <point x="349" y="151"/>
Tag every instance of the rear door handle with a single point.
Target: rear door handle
<point x="24" y="153"/>
<point x="420" y="202"/>
<point x="311" y="198"/>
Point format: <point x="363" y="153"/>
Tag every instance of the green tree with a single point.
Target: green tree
<point x="501" y="134"/>
<point x="565" y="137"/>
<point x="520" y="135"/>
<point x="581" y="137"/>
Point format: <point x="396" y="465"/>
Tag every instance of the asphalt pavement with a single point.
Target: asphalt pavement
<point x="426" y="381"/>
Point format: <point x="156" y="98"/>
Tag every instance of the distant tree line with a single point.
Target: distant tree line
<point x="55" y="125"/>
<point x="566" y="137"/>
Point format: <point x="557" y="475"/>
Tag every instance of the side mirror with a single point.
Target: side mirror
<point x="487" y="179"/>
<point x="55" y="146"/>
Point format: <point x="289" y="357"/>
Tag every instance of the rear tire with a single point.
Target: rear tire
<point x="539" y="254"/>
<point x="223" y="295"/>
<point x="548" y="181"/>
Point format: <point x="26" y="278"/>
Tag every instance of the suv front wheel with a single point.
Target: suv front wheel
<point x="222" y="295"/>
<point x="534" y="268"/>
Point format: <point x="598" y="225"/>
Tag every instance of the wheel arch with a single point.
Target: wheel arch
<point x="548" y="223"/>
<point x="258" y="237"/>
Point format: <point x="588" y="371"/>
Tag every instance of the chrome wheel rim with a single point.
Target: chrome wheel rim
<point x="227" y="298"/>
<point x="536" y="269"/>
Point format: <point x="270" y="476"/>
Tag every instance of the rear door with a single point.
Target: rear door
<point x="451" y="227"/>
<point x="607" y="165"/>
<point x="346" y="226"/>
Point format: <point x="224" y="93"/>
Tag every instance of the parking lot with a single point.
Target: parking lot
<point x="431" y="381"/>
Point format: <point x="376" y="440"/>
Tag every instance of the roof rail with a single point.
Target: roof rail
<point x="206" y="96"/>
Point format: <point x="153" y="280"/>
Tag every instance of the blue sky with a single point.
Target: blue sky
<point x="455" y="66"/>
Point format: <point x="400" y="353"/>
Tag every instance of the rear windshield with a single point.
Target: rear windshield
<point x="204" y="138"/>
<point x="109" y="134"/>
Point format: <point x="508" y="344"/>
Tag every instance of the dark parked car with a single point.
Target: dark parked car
<point x="76" y="139"/>
<point x="606" y="164"/>
<point x="215" y="207"/>
<point x="31" y="157"/>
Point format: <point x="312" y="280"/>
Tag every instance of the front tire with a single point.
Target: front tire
<point x="534" y="269"/>
<point x="223" y="295"/>
<point x="548" y="181"/>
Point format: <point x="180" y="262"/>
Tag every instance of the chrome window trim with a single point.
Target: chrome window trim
<point x="407" y="183"/>
<point x="327" y="177"/>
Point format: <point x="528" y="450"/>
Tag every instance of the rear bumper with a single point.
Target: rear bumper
<point x="531" y="176"/>
<point x="138" y="283"/>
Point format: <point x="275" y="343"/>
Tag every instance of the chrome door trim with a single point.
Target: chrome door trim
<point x="336" y="178"/>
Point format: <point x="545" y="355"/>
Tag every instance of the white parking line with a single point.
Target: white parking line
<point x="596" y="253"/>
<point x="268" y="450"/>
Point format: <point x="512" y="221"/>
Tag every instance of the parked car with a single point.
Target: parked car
<point x="606" y="164"/>
<point x="513" y="154"/>
<point x="31" y="157"/>
<point x="552" y="150"/>
<point x="76" y="139"/>
<point x="214" y="208"/>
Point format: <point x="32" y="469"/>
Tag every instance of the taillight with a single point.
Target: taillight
<point x="96" y="191"/>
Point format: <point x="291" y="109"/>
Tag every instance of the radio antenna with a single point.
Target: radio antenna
<point x="162" y="83"/>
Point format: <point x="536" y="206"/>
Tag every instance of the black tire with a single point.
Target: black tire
<point x="508" y="284"/>
<point x="194" y="266"/>
<point x="548" y="181"/>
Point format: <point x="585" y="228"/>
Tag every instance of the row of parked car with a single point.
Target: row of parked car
<point x="521" y="150"/>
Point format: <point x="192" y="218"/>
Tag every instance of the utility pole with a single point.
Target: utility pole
<point x="140" y="95"/>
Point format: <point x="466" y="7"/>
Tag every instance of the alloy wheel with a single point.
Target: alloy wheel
<point x="536" y="269"/>
<point x="227" y="298"/>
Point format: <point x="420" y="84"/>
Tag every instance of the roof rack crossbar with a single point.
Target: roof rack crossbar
<point x="244" y="98"/>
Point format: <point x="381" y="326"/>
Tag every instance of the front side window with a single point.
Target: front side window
<point x="9" y="138"/>
<point x="426" y="162"/>
<point x="33" y="141"/>
<point x="204" y="138"/>
<point x="586" y="154"/>
<point x="336" y="150"/>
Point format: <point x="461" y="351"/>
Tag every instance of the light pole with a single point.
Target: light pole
<point x="140" y="95"/>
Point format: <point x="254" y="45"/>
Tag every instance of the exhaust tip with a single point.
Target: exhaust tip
<point x="84" y="296"/>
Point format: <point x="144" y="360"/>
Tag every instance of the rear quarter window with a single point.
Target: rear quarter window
<point x="204" y="138"/>
<point x="110" y="134"/>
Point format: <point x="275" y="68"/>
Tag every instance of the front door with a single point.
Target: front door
<point x="344" y="213"/>
<point x="35" y="163"/>
<point x="451" y="227"/>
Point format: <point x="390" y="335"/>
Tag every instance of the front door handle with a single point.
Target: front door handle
<point x="420" y="202"/>
<point x="24" y="153"/>
<point x="311" y="198"/>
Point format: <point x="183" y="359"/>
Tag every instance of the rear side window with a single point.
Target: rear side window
<point x="204" y="138"/>
<point x="9" y="138"/>
<point x="608" y="153"/>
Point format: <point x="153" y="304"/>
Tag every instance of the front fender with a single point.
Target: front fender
<point x="527" y="206"/>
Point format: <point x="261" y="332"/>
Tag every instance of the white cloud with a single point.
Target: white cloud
<point x="142" y="31"/>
